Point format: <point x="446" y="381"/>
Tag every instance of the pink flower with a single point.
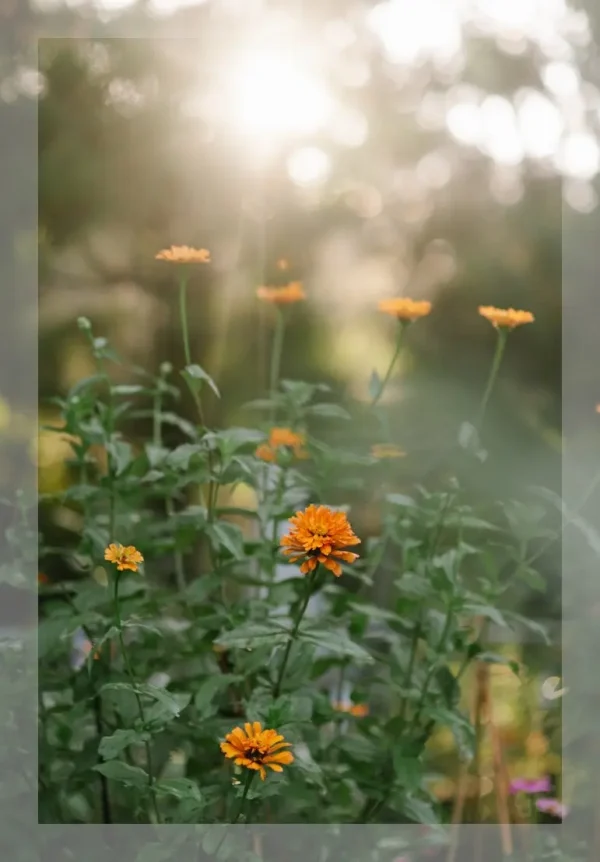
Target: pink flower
<point x="553" y="807"/>
<point x="528" y="785"/>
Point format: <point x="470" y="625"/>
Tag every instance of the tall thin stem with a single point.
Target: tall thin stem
<point x="276" y="351"/>
<point x="499" y="352"/>
<point x="249" y="778"/>
<point x="183" y="283"/>
<point x="391" y="366"/>
<point x="169" y="504"/>
<point x="309" y="585"/>
<point x="129" y="669"/>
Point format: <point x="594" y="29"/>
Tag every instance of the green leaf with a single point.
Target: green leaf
<point x="116" y="770"/>
<point x="259" y="404"/>
<point x="290" y="709"/>
<point x="179" y="458"/>
<point x="172" y="703"/>
<point x="414" y="586"/>
<point x="112" y="746"/>
<point x="201" y="588"/>
<point x="336" y="642"/>
<point x="408" y="770"/>
<point x="420" y="811"/>
<point x="209" y="689"/>
<point x="228" y="537"/>
<point x="401" y="500"/>
<point x="195" y="375"/>
<point x="253" y="634"/>
<point x="329" y="411"/>
<point x="161" y="713"/>
<point x="128" y="389"/>
<point x="462" y="729"/>
<point x="486" y="611"/>
<point x="180" y="788"/>
<point x="121" y="454"/>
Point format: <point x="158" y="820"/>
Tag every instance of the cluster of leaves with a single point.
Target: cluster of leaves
<point x="192" y="645"/>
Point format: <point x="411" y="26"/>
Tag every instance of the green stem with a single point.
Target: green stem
<point x="249" y="778"/>
<point x="169" y="504"/>
<point x="394" y="359"/>
<point x="276" y="503"/>
<point x="183" y="283"/>
<point x="500" y="346"/>
<point x="276" y="352"/>
<point x="129" y="669"/>
<point x="309" y="586"/>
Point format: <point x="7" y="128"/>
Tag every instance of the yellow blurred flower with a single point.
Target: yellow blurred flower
<point x="184" y="254"/>
<point x="282" y="438"/>
<point x="405" y="309"/>
<point x="289" y="293"/>
<point x="506" y="318"/>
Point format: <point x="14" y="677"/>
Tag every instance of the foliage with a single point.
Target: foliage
<point x="144" y="672"/>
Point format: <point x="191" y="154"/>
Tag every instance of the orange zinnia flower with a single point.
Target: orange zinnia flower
<point x="292" y="292"/>
<point x="405" y="309"/>
<point x="358" y="710"/>
<point x="505" y="317"/>
<point x="184" y="254"/>
<point x="123" y="557"/>
<point x="387" y="450"/>
<point x="256" y="748"/>
<point x="319" y="535"/>
<point x="282" y="438"/>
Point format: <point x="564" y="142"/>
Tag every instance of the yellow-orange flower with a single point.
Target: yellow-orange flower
<point x="358" y="710"/>
<point x="387" y="450"/>
<point x="505" y="317"/>
<point x="123" y="557"/>
<point x="184" y="254"/>
<point x="405" y="309"/>
<point x="292" y="292"/>
<point x="282" y="438"/>
<point x="319" y="535"/>
<point x="256" y="748"/>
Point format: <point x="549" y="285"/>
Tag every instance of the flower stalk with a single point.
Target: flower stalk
<point x="140" y="706"/>
<point x="384" y="382"/>
<point x="310" y="581"/>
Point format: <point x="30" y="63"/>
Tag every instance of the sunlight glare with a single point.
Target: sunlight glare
<point x="309" y="166"/>
<point x="273" y="94"/>
<point x="411" y="31"/>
